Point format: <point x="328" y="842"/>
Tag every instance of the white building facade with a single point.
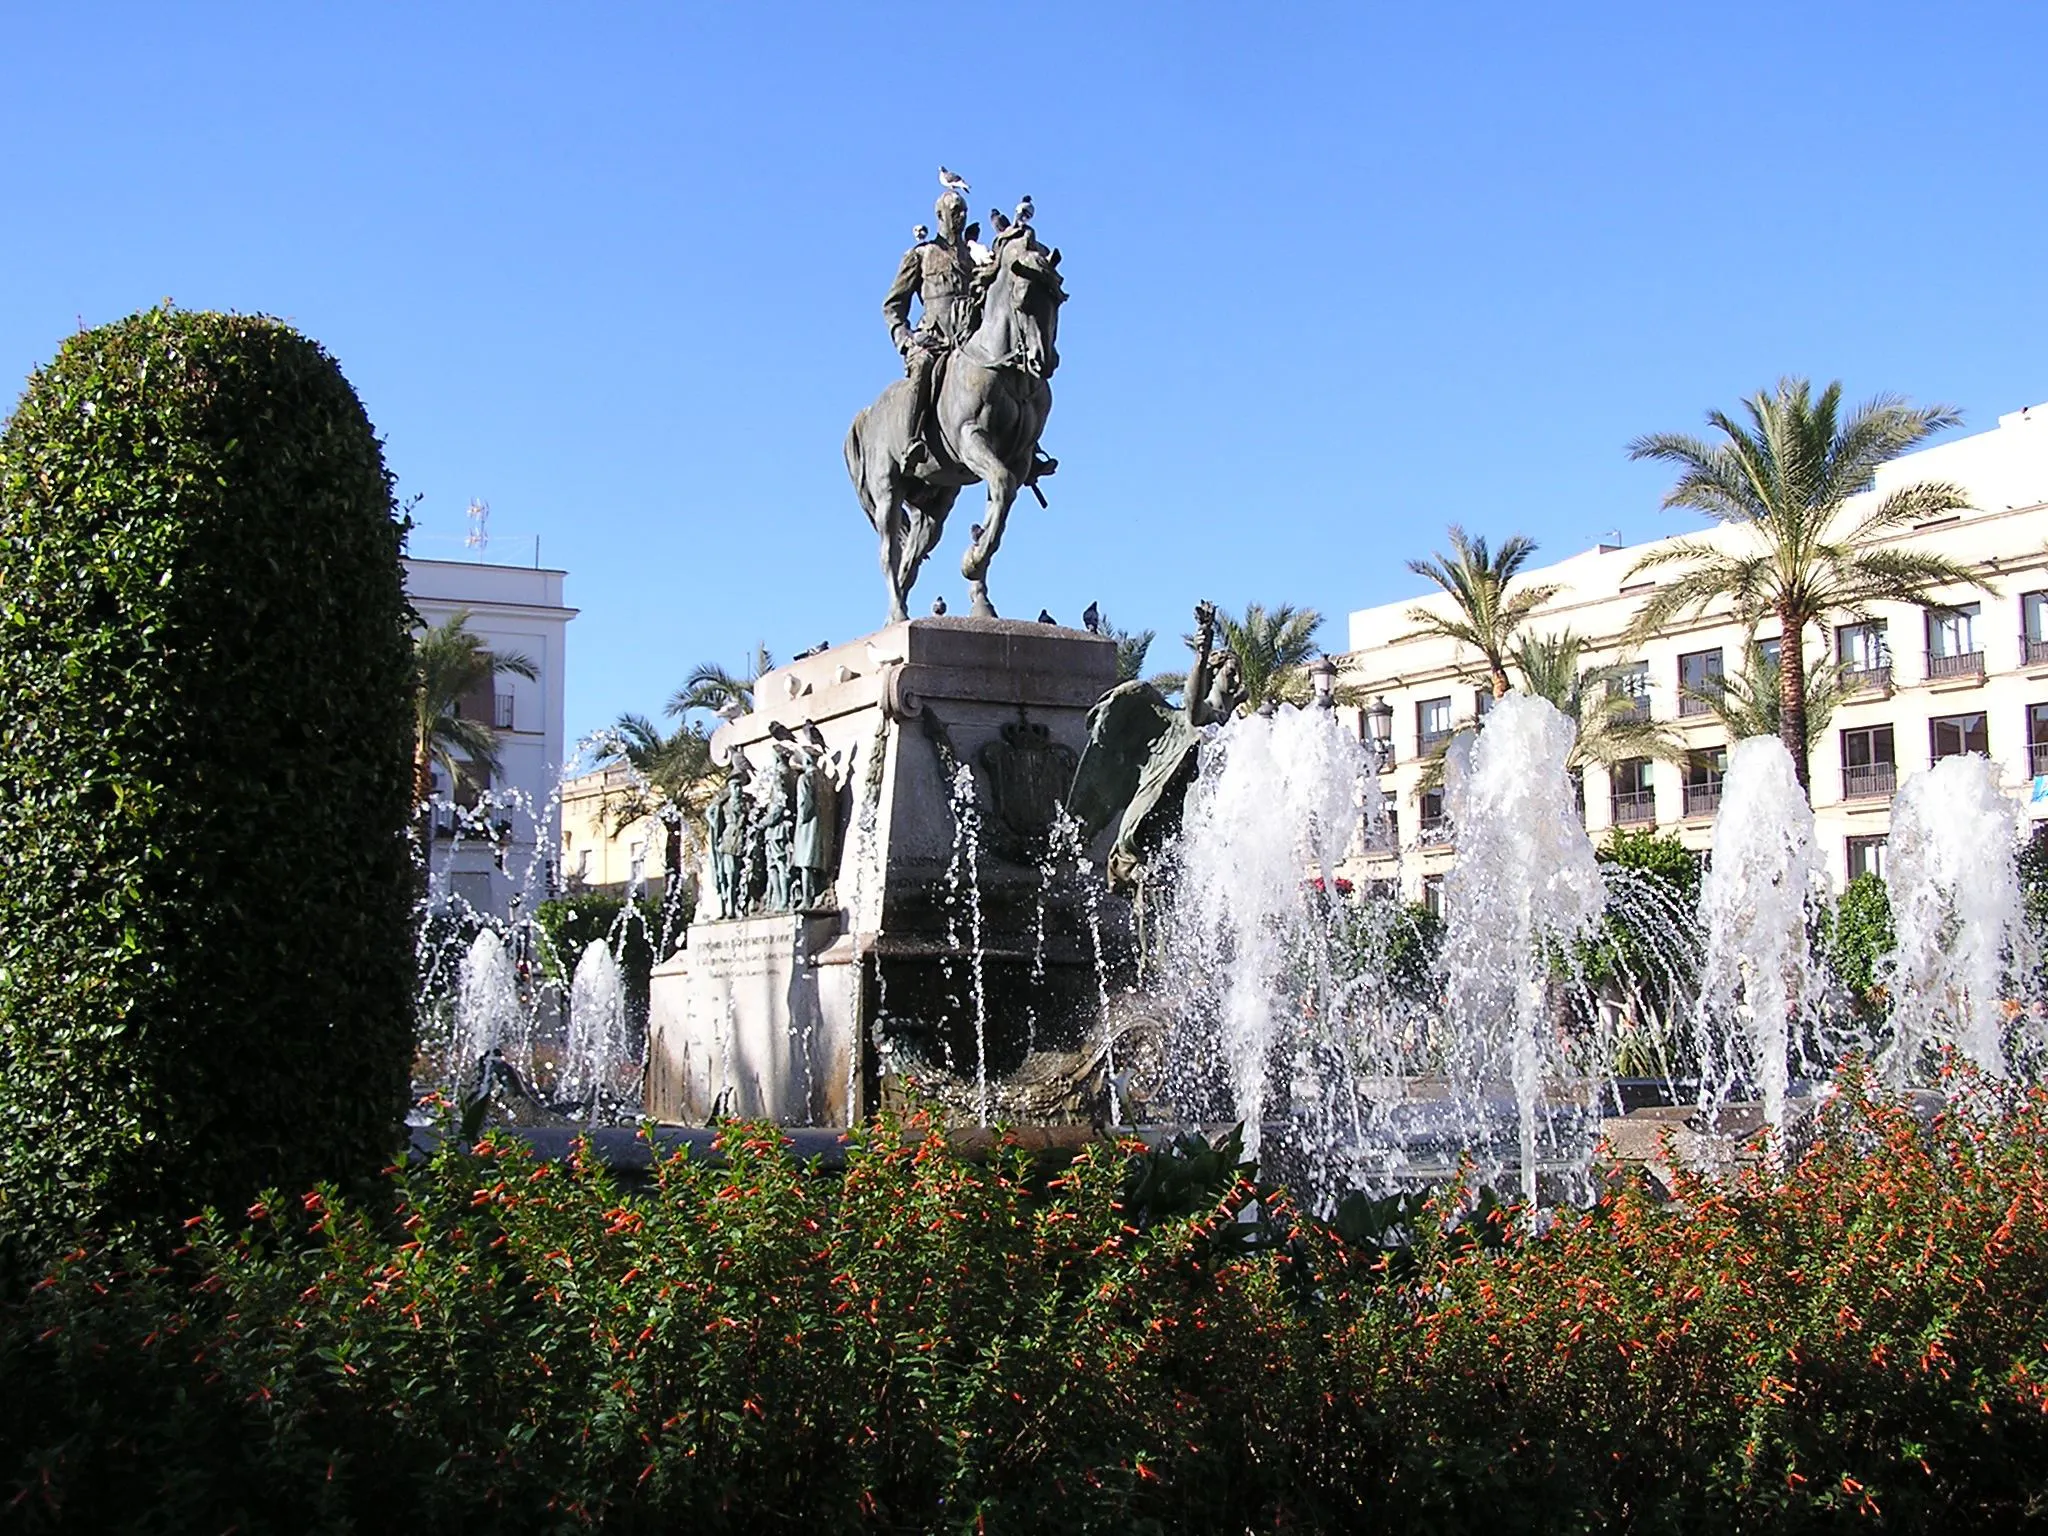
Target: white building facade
<point x="1918" y="686"/>
<point x="513" y="610"/>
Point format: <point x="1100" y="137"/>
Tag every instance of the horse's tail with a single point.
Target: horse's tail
<point x="856" y="467"/>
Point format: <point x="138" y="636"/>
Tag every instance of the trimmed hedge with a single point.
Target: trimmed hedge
<point x="935" y="1344"/>
<point x="205" y="963"/>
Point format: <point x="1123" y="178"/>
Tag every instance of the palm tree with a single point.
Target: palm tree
<point x="1750" y="702"/>
<point x="1787" y="476"/>
<point x="713" y="689"/>
<point x="449" y="664"/>
<point x="1273" y="648"/>
<point x="1609" y="730"/>
<point x="1131" y="647"/>
<point x="1488" y="615"/>
<point x="672" y="774"/>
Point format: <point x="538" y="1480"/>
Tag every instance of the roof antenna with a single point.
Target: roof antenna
<point x="479" y="525"/>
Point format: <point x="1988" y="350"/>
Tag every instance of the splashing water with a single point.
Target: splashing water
<point x="1526" y="884"/>
<point x="599" y="1038"/>
<point x="965" y="877"/>
<point x="1274" y="799"/>
<point x="1962" y="948"/>
<point x="488" y="1015"/>
<point x="1760" y="991"/>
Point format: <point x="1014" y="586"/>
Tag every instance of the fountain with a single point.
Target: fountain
<point x="1525" y="888"/>
<point x="600" y="1039"/>
<point x="1963" y="952"/>
<point x="1761" y="990"/>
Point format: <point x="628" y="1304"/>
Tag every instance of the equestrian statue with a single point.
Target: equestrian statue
<point x="974" y="396"/>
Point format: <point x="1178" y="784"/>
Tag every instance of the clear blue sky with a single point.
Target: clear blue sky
<point x="1339" y="275"/>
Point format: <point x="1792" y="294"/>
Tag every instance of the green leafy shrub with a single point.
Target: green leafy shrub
<point x="1854" y="935"/>
<point x="934" y="1344"/>
<point x="205" y="964"/>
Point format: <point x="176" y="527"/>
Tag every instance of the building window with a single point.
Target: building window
<point x="1631" y="683"/>
<point x="501" y="715"/>
<point x="1434" y="826"/>
<point x="1383" y="837"/>
<point x="1433" y="895"/>
<point x="1869" y="771"/>
<point x="1634" y="798"/>
<point x="1482" y="703"/>
<point x="1699" y="681"/>
<point x="1953" y="735"/>
<point x="2034" y="627"/>
<point x="1866" y="857"/>
<point x="1772" y="651"/>
<point x="2037" y="739"/>
<point x="1432" y="723"/>
<point x="1952" y="642"/>
<point x="1865" y="652"/>
<point x="1703" y="774"/>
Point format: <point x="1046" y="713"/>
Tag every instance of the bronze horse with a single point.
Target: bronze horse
<point x="989" y="407"/>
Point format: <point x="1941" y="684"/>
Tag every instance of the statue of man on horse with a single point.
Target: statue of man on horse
<point x="974" y="398"/>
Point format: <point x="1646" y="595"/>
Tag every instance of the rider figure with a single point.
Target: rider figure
<point x="940" y="273"/>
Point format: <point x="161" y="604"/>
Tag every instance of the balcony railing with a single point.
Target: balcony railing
<point x="1867" y="679"/>
<point x="502" y="718"/>
<point x="2034" y="651"/>
<point x="1633" y="709"/>
<point x="1437" y="833"/>
<point x="1633" y="807"/>
<point x="1689" y="706"/>
<point x="1427" y="741"/>
<point x="2038" y="751"/>
<point x="1702" y="799"/>
<point x="1869" y="781"/>
<point x="1968" y="664"/>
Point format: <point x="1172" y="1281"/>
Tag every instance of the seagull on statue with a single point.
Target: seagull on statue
<point x="1091" y="619"/>
<point x="1026" y="210"/>
<point x="953" y="182"/>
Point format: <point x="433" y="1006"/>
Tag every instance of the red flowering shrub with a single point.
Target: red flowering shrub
<point x="931" y="1343"/>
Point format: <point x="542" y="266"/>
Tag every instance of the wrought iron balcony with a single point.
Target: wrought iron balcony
<point x="1967" y="664"/>
<point x="1689" y="706"/>
<point x="2034" y="651"/>
<point x="1436" y="833"/>
<point x="2038" y="752"/>
<point x="1634" y="807"/>
<point x="1867" y="679"/>
<point x="1632" y="710"/>
<point x="1427" y="741"/>
<point x="1702" y="799"/>
<point x="1869" y="781"/>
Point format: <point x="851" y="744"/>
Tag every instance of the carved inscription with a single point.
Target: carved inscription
<point x="740" y="956"/>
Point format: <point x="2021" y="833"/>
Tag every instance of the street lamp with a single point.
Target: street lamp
<point x="1379" y="732"/>
<point x="1322" y="674"/>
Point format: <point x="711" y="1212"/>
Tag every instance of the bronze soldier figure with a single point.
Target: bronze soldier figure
<point x="940" y="274"/>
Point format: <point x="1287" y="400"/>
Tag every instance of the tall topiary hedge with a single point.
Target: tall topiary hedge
<point x="204" y="888"/>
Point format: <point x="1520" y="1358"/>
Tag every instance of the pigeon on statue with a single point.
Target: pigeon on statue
<point x="998" y="222"/>
<point x="1046" y="618"/>
<point x="938" y="607"/>
<point x="921" y="234"/>
<point x="953" y="182"/>
<point x="1026" y="210"/>
<point x="1091" y="619"/>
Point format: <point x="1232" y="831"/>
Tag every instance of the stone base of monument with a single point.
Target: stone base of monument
<point x="951" y="940"/>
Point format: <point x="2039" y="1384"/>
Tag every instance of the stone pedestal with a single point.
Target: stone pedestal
<point x="953" y="932"/>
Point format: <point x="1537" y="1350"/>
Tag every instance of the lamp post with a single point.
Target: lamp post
<point x="1322" y="675"/>
<point x="1379" y="732"/>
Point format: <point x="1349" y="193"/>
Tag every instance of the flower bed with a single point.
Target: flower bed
<point x="933" y="1343"/>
